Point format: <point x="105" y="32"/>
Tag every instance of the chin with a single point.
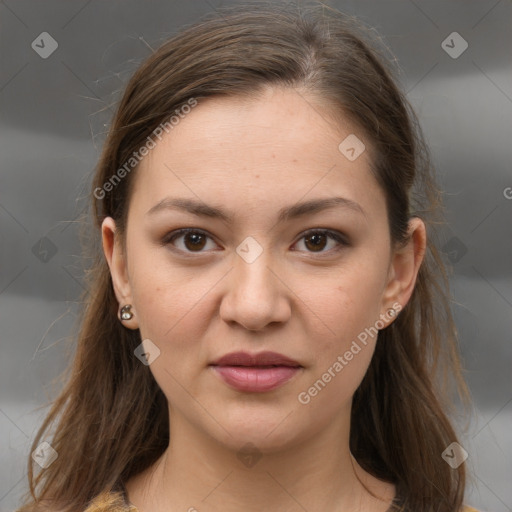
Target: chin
<point x="268" y="428"/>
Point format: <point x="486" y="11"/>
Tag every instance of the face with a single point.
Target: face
<point x="272" y="261"/>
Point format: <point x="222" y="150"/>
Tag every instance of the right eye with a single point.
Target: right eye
<point x="192" y="240"/>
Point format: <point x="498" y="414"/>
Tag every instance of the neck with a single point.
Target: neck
<point x="198" y="474"/>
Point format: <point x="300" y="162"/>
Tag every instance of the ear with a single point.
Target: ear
<point x="405" y="264"/>
<point x="118" y="269"/>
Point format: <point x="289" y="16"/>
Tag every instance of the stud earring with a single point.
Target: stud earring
<point x="392" y="312"/>
<point x="126" y="312"/>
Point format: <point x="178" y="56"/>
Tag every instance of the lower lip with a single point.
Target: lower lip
<point x="254" y="379"/>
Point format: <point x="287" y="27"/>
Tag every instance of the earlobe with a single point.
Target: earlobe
<point x="405" y="265"/>
<point x="117" y="265"/>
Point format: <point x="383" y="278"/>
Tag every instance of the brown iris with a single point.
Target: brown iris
<point x="196" y="241"/>
<point x="317" y="241"/>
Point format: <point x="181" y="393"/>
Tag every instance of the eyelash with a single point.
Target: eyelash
<point x="338" y="237"/>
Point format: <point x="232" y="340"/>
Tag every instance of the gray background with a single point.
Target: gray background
<point x="55" y="111"/>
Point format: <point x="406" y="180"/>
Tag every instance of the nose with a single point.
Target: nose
<point x="256" y="295"/>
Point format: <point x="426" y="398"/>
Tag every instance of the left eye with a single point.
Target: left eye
<point x="194" y="240"/>
<point x="317" y="239"/>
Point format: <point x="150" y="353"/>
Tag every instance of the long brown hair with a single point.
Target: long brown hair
<point x="111" y="417"/>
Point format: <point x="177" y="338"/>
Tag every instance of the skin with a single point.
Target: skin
<point x="253" y="157"/>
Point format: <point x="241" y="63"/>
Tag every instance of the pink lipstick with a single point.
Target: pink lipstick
<point x="255" y="372"/>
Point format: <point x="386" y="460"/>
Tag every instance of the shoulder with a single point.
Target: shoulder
<point x="110" y="501"/>
<point x="468" y="509"/>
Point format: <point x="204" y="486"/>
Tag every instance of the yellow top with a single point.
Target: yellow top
<point x="116" y="502"/>
<point x="108" y="501"/>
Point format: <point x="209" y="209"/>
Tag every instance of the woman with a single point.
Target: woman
<point x="268" y="326"/>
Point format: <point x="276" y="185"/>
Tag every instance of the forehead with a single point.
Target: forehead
<point x="238" y="150"/>
<point x="282" y="118"/>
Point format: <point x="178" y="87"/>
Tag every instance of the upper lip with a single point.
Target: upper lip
<point x="260" y="359"/>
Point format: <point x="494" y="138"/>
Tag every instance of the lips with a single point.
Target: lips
<point x="259" y="360"/>
<point x="255" y="372"/>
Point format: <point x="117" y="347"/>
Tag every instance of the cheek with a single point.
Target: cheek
<point x="175" y="310"/>
<point x="350" y="307"/>
<point x="351" y="310"/>
<point x="163" y="294"/>
<point x="167" y="311"/>
<point x="333" y="385"/>
<point x="356" y="297"/>
<point x="170" y="313"/>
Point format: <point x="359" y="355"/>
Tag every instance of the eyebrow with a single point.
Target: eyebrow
<point x="285" y="214"/>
